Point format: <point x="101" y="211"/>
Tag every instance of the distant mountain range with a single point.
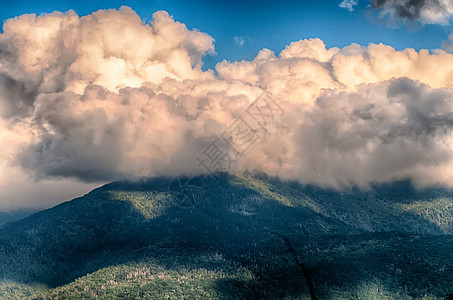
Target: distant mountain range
<point x="233" y="236"/>
<point x="7" y="217"/>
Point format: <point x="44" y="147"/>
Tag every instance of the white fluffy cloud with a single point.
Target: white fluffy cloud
<point x="106" y="96"/>
<point x="111" y="48"/>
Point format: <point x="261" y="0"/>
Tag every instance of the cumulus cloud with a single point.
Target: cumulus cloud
<point x="382" y="132"/>
<point x="348" y="4"/>
<point x="112" y="48"/>
<point x="107" y="96"/>
<point x="425" y="11"/>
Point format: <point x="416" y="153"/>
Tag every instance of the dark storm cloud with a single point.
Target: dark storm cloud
<point x="425" y="11"/>
<point x="408" y="9"/>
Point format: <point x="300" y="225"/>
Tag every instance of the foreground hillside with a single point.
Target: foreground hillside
<point x="233" y="236"/>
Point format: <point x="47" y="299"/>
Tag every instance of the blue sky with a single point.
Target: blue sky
<point x="262" y="24"/>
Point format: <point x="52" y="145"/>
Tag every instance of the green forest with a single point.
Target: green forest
<point x="246" y="236"/>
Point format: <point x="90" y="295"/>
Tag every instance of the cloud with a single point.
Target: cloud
<point x="348" y="4"/>
<point x="448" y="45"/>
<point x="106" y="96"/>
<point x="425" y="11"/>
<point x="239" y="40"/>
<point x="113" y="48"/>
<point x="393" y="130"/>
<point x="19" y="190"/>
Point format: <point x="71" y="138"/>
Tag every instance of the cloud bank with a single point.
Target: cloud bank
<point x="107" y="96"/>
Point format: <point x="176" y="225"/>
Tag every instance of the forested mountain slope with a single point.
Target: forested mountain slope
<point x="233" y="236"/>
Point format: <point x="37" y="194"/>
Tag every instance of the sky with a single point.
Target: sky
<point x="242" y="28"/>
<point x="355" y="93"/>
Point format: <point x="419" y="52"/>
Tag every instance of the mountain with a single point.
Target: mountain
<point x="7" y="217"/>
<point x="233" y="236"/>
